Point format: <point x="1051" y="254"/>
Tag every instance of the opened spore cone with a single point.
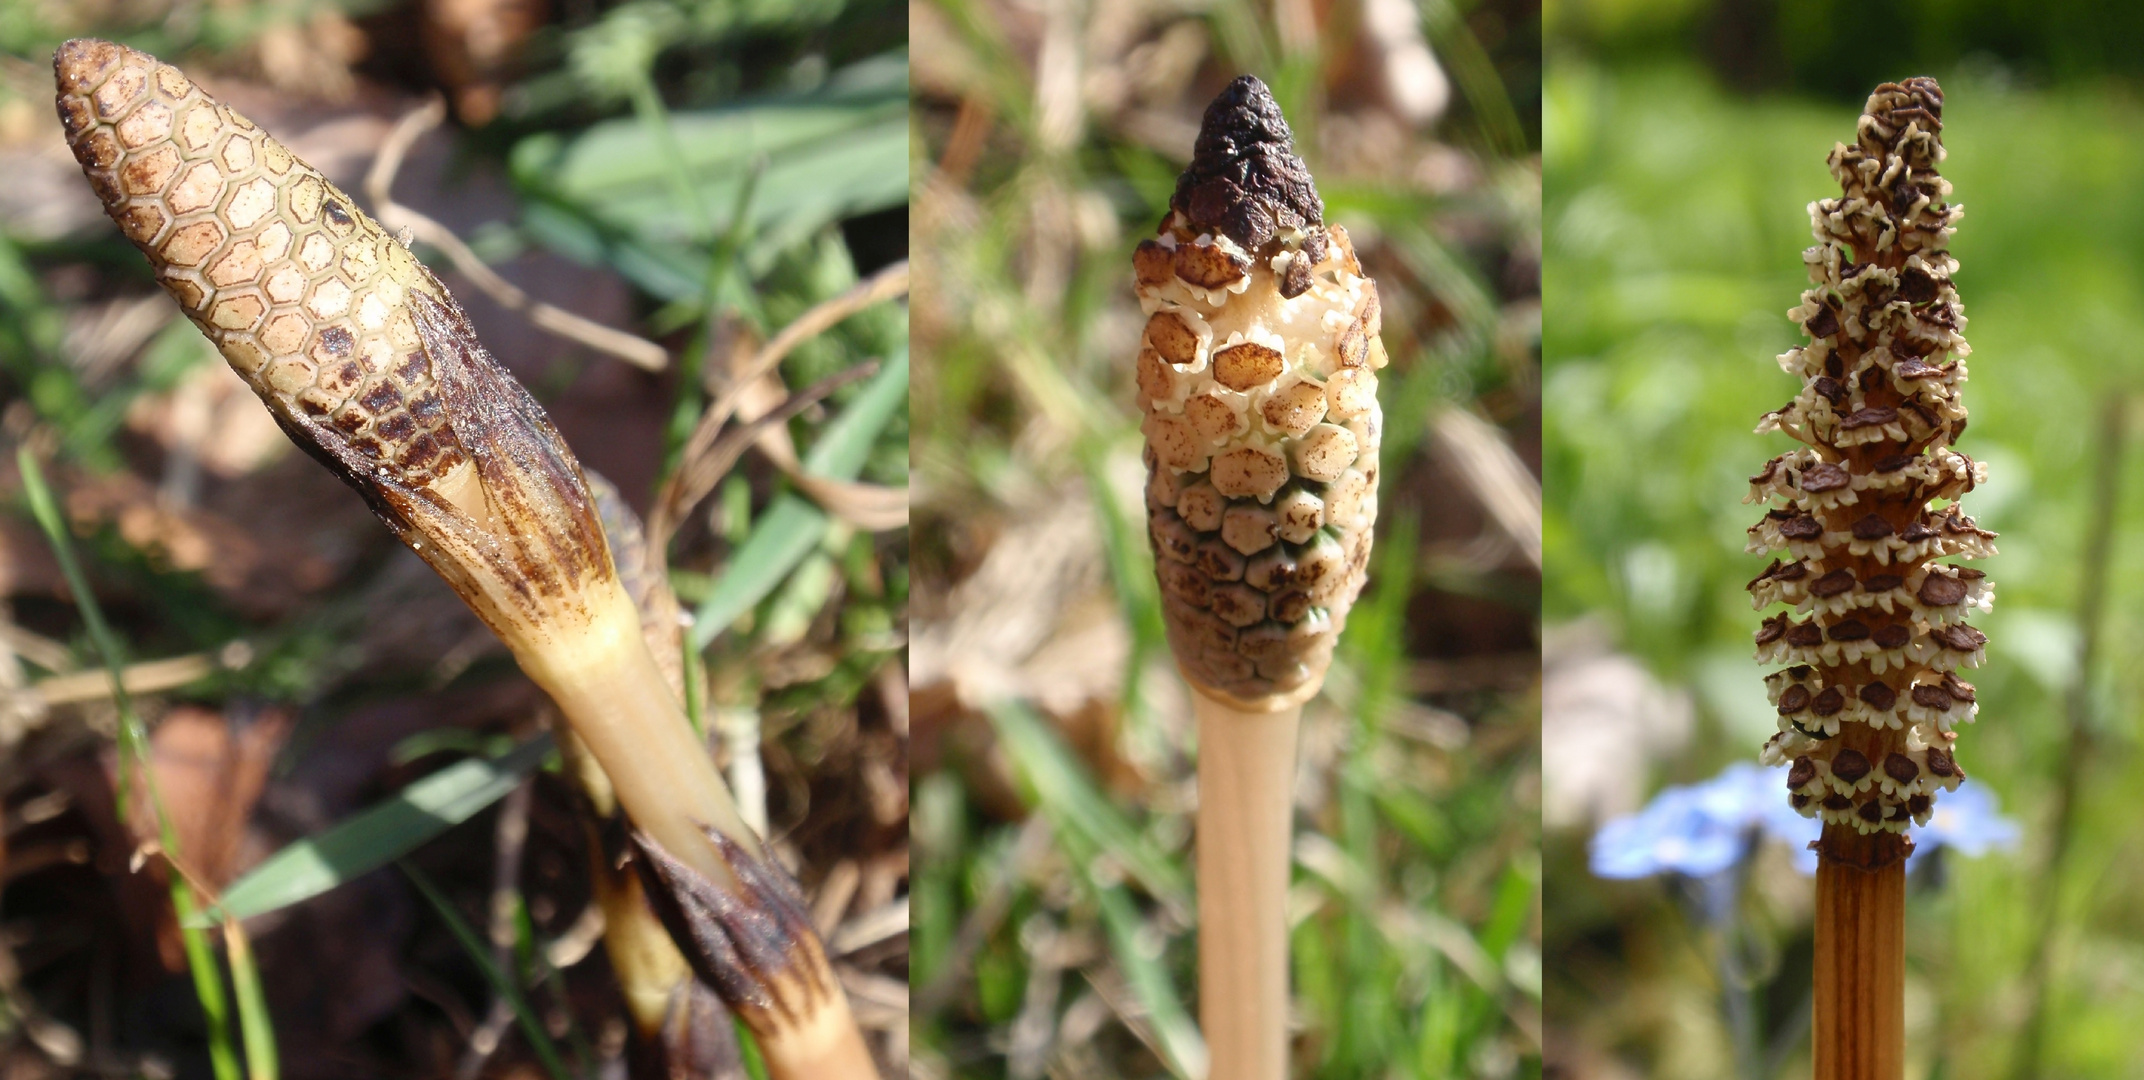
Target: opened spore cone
<point x="1869" y="698"/>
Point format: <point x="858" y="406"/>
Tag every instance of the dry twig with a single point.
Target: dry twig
<point x="512" y="833"/>
<point x="379" y="180"/>
<point x="703" y="461"/>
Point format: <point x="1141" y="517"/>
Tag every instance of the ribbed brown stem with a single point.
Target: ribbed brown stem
<point x="1246" y="777"/>
<point x="1860" y="1003"/>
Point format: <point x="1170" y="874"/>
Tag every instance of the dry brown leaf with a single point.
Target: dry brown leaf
<point x="210" y="772"/>
<point x="473" y="45"/>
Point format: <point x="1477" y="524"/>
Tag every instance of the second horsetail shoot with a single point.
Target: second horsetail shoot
<point x="369" y="365"/>
<point x="1257" y="375"/>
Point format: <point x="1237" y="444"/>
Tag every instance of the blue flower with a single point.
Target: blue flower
<point x="1967" y="821"/>
<point x="1699" y="830"/>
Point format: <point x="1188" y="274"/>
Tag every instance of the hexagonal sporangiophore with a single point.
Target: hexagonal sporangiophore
<point x="120" y="92"/>
<point x="330" y="299"/>
<point x="143" y="222"/>
<point x="250" y="203"/>
<point x="149" y="124"/>
<point x="285" y="333"/>
<point x="148" y="173"/>
<point x="238" y="153"/>
<point x="304" y="199"/>
<point x="191" y="245"/>
<point x="286" y="284"/>
<point x="200" y="186"/>
<point x="316" y="253"/>
<point x="238" y="265"/>
<point x="240" y="310"/>
<point x="199" y="127"/>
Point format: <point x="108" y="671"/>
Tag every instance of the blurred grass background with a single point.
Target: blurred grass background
<point x="1682" y="142"/>
<point x="1053" y="779"/>
<point x="699" y="173"/>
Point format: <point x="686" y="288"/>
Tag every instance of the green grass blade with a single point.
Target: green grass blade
<point x="792" y="527"/>
<point x="1062" y="789"/>
<point x="1131" y="574"/>
<point x="655" y="122"/>
<point x="755" y="1063"/>
<point x="200" y="958"/>
<point x="789" y="530"/>
<point x="253" y="1022"/>
<point x="818" y="157"/>
<point x="47" y="512"/>
<point x="1181" y="1044"/>
<point x="1475" y="72"/>
<point x="722" y="265"/>
<point x="208" y="984"/>
<point x="380" y="834"/>
<point x="501" y="983"/>
<point x="845" y="442"/>
<point x="1087" y="826"/>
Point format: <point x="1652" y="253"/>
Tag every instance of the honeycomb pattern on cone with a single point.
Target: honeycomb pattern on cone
<point x="304" y="295"/>
<point x="1257" y="377"/>
<point x="1870" y="697"/>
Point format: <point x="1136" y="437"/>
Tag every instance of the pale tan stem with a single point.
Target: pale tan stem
<point x="827" y="1045"/>
<point x="1860" y="1002"/>
<point x="606" y="683"/>
<point x="1246" y="778"/>
<point x="649" y="967"/>
<point x="620" y="706"/>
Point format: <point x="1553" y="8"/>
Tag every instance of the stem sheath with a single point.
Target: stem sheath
<point x="1246" y="777"/>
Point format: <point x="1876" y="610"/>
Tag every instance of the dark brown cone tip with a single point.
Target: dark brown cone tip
<point x="1924" y="104"/>
<point x="1245" y="181"/>
<point x="77" y="65"/>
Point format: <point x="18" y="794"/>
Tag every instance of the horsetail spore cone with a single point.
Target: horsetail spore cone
<point x="368" y="364"/>
<point x="1870" y="701"/>
<point x="1257" y="378"/>
<point x="1870" y="697"/>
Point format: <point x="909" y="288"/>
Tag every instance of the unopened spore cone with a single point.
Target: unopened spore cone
<point x="1257" y="377"/>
